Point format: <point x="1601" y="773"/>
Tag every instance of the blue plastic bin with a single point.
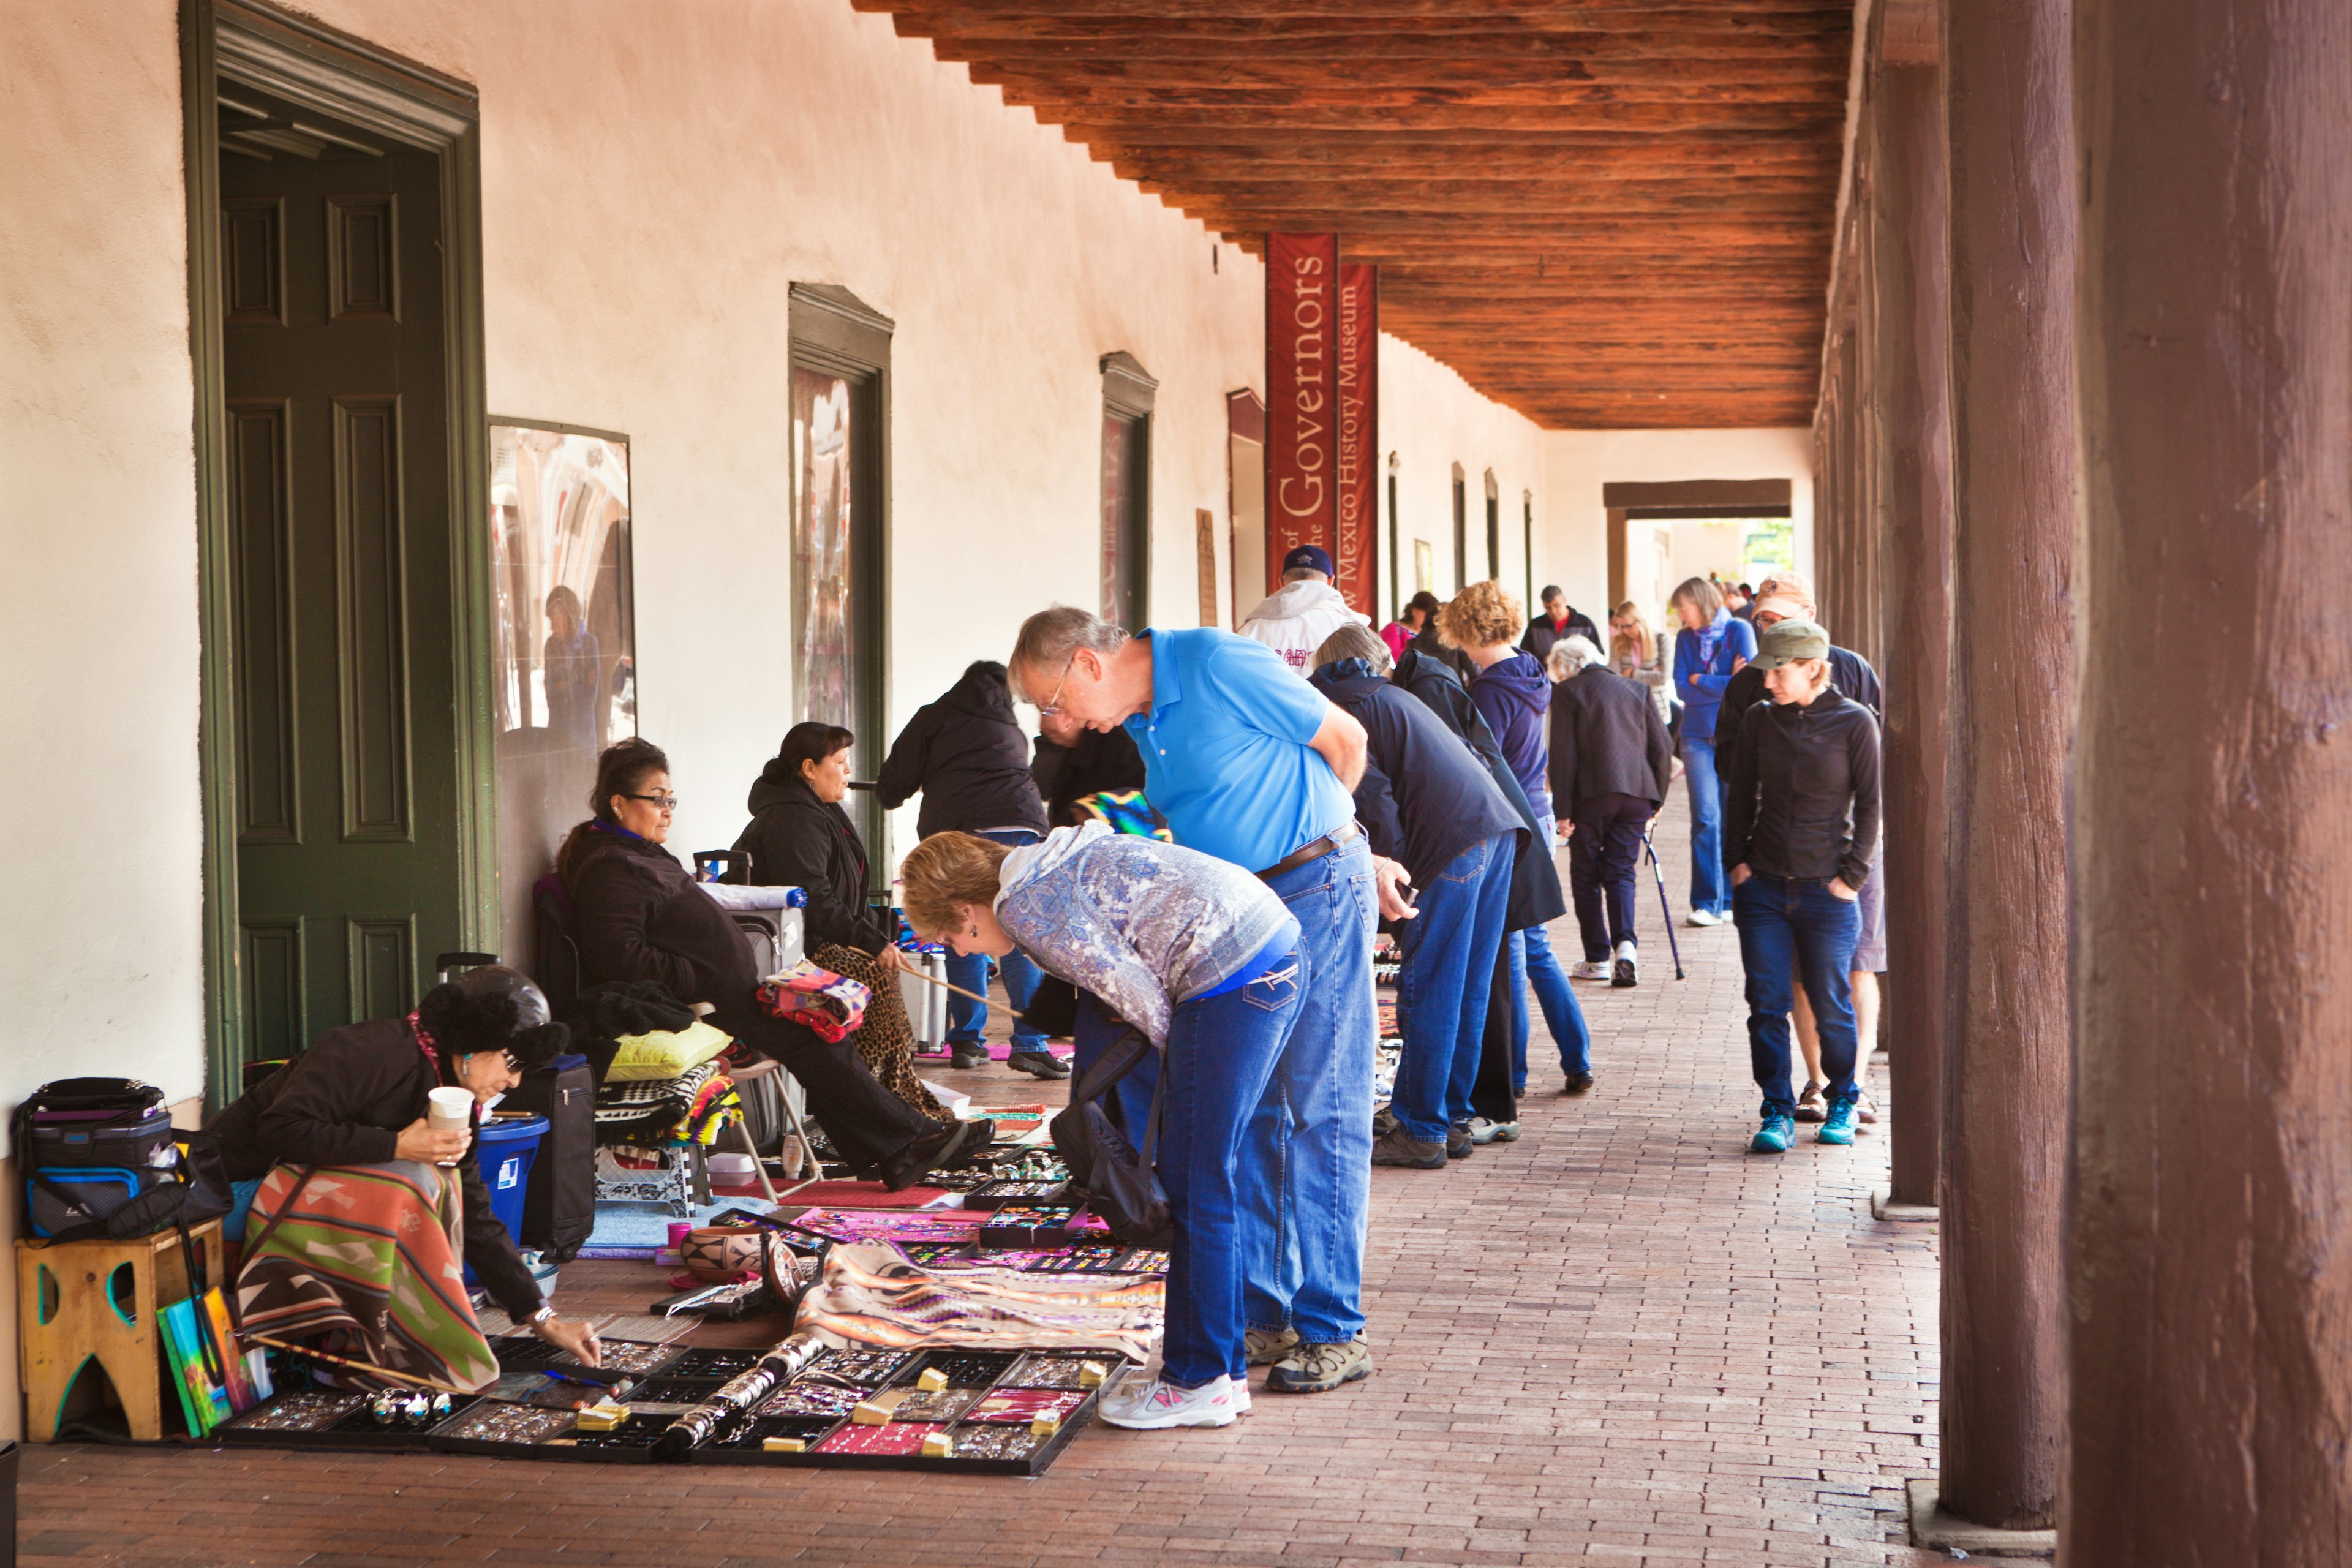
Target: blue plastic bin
<point x="505" y="1148"/>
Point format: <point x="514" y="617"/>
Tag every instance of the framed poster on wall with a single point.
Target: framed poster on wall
<point x="563" y="667"/>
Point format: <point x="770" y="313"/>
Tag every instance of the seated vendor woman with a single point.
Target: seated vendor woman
<point x="639" y="915"/>
<point x="333" y="1154"/>
<point x="1203" y="958"/>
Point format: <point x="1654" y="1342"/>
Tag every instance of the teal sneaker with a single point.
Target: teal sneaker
<point x="1775" y="1136"/>
<point x="1838" y="1127"/>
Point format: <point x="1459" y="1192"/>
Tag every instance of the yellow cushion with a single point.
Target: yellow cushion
<point x="644" y="1058"/>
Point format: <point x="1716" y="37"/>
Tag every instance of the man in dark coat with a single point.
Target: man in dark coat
<point x="1611" y="764"/>
<point x="1559" y="619"/>
<point x="967" y="757"/>
<point x="1426" y="800"/>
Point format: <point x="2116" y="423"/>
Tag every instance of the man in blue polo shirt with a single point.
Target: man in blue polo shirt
<point x="1250" y="764"/>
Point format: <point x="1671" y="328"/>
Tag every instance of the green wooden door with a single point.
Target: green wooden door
<point x="342" y="538"/>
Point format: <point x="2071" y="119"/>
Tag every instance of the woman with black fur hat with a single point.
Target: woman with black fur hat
<point x="357" y="1099"/>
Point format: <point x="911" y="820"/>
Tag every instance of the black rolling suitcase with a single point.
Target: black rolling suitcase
<point x="559" y="1207"/>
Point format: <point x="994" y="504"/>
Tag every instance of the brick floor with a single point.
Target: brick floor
<point x="1619" y="1340"/>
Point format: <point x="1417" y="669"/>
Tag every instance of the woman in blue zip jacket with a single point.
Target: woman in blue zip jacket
<point x="1712" y="647"/>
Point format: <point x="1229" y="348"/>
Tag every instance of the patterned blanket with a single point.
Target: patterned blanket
<point x="871" y="1295"/>
<point x="368" y="1260"/>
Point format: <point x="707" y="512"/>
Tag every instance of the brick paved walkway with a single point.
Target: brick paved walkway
<point x="1618" y="1340"/>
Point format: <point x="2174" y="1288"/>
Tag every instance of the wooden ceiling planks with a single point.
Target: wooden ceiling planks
<point x="1602" y="213"/>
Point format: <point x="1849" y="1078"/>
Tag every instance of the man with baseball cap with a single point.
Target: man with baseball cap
<point x="1296" y="618"/>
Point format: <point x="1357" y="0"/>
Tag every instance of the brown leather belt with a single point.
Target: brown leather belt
<point x="1315" y="851"/>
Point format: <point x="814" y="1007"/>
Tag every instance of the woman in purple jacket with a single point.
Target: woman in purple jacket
<point x="1513" y="694"/>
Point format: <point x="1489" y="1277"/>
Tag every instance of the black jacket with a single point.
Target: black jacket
<point x="1606" y="738"/>
<point x="637" y="915"/>
<point x="967" y="758"/>
<point x="1098" y="761"/>
<point x="1536" y="895"/>
<point x="796" y="840"/>
<point x="1803" y="790"/>
<point x="1424" y="798"/>
<point x="1541" y="634"/>
<point x="344" y="1102"/>
<point x="1849" y="672"/>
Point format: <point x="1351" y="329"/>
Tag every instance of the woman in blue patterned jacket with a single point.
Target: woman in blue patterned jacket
<point x="1202" y="958"/>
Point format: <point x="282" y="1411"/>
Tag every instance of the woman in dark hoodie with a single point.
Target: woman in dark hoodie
<point x="639" y="915"/>
<point x="969" y="760"/>
<point x="1513" y="693"/>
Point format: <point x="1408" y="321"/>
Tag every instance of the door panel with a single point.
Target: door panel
<point x="335" y="365"/>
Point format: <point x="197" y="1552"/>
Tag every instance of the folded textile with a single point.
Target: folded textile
<point x="367" y="1259"/>
<point x="689" y="1108"/>
<point x="870" y="1294"/>
<point x="817" y="999"/>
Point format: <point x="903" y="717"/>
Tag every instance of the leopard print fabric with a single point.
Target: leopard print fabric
<point x="886" y="1039"/>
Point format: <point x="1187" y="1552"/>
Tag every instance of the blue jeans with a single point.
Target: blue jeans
<point x="1534" y="968"/>
<point x="1443" y="987"/>
<point x="1787" y="928"/>
<point x="1221" y="1052"/>
<point x="1710" y="887"/>
<point x="968" y="1019"/>
<point x="1303" y="1233"/>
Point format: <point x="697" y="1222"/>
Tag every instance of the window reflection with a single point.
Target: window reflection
<point x="564" y="668"/>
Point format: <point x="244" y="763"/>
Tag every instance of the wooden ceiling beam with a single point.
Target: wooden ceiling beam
<point x="1600" y="212"/>
<point x="1527" y="15"/>
<point x="1488" y="122"/>
<point x="1667" y="29"/>
<point x="1400" y="88"/>
<point x="1178" y="57"/>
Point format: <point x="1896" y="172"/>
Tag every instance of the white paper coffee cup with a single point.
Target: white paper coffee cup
<point x="448" y="1109"/>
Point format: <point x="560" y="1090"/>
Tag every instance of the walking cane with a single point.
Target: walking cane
<point x="1663" y="910"/>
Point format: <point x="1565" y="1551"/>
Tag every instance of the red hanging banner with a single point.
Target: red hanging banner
<point x="1357" y="551"/>
<point x="1302" y="404"/>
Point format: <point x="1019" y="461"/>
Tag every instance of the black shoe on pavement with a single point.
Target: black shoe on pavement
<point x="1401" y="1148"/>
<point x="1038" y="1064"/>
<point x="967" y="1056"/>
<point x="1384" y="1121"/>
<point x="953" y="1146"/>
<point x="1458" y="1143"/>
<point x="1578" y="1083"/>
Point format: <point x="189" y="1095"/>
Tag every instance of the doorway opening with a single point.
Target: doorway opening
<point x="335" y="289"/>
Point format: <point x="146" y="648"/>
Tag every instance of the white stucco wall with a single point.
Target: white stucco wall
<point x="1576" y="463"/>
<point x="98" y="945"/>
<point x="1431" y="420"/>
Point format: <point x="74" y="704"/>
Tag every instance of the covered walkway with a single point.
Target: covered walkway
<point x="1620" y="1341"/>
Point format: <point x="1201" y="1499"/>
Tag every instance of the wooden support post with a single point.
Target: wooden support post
<point x="2005" y="1079"/>
<point x="1909" y="120"/>
<point x="2210" y="1233"/>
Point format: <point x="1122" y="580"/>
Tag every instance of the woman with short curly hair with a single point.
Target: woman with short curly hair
<point x="1514" y="695"/>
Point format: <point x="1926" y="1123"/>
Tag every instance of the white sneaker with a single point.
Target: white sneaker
<point x="1703" y="917"/>
<point x="1482" y="1130"/>
<point x="1627" y="971"/>
<point x="1149" y="1404"/>
<point x="1591" y="969"/>
<point x="1240" y="1396"/>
